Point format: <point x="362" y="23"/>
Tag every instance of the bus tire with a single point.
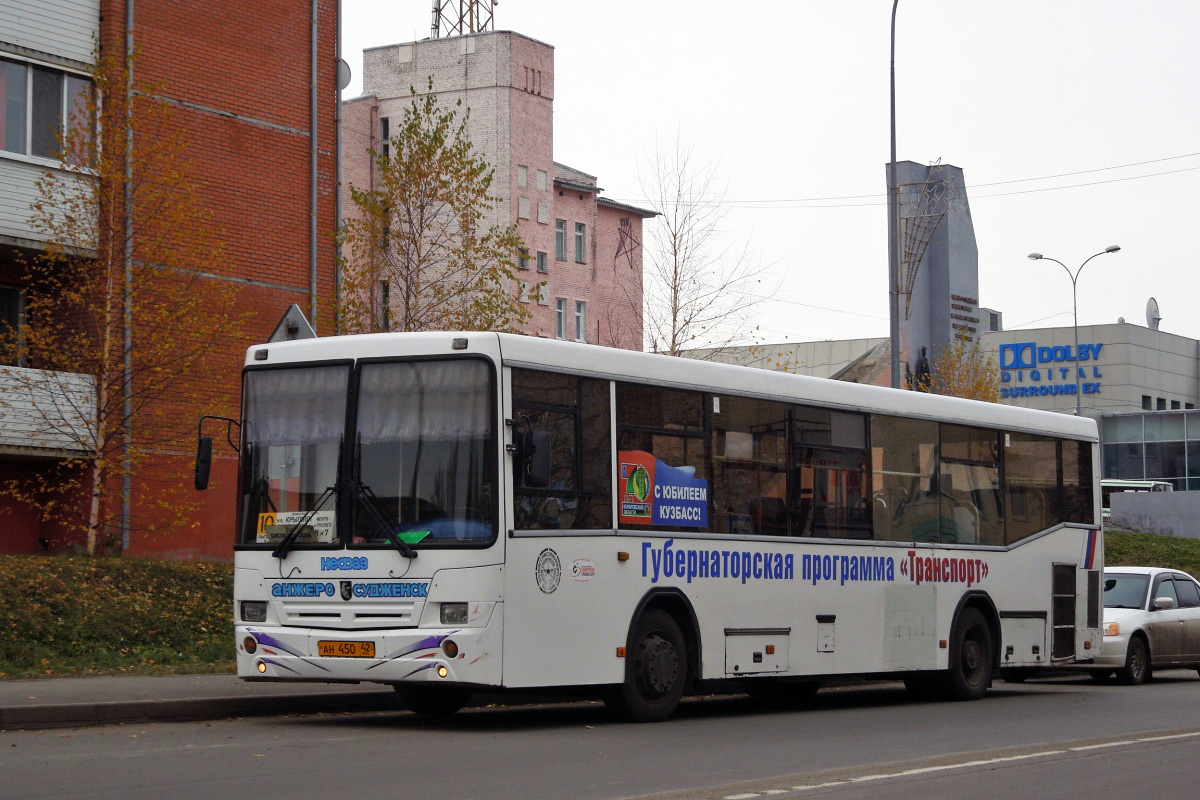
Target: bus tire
<point x="1137" y="663"/>
<point x="432" y="701"/>
<point x="972" y="658"/>
<point x="656" y="670"/>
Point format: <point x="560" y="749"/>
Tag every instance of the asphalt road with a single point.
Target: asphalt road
<point x="1065" y="738"/>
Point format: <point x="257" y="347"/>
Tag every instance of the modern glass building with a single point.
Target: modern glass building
<point x="1158" y="445"/>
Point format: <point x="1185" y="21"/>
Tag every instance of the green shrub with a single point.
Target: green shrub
<point x="1150" y="550"/>
<point x="75" y="615"/>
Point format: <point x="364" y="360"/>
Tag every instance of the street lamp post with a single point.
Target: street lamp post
<point x="894" y="229"/>
<point x="1075" y="307"/>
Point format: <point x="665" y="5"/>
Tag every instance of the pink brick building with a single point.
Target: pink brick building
<point x="581" y="274"/>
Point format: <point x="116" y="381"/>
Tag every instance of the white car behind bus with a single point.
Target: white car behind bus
<point x="1151" y="622"/>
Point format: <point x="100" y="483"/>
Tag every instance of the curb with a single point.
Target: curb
<point x="59" y="715"/>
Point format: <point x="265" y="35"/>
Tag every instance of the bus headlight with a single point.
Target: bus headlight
<point x="1112" y="629"/>
<point x="454" y="613"/>
<point x="254" y="611"/>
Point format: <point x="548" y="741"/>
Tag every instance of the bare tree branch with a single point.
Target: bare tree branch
<point x="699" y="282"/>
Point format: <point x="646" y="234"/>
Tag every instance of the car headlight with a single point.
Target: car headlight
<point x="1111" y="629"/>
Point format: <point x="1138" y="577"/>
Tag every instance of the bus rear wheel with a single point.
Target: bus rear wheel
<point x="656" y="670"/>
<point x="432" y="701"/>
<point x="972" y="658"/>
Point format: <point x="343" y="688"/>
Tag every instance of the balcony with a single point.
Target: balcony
<point x="45" y="414"/>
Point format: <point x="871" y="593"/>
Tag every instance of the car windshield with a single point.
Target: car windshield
<point x="294" y="423"/>
<point x="1124" y="591"/>
<point x="425" y="453"/>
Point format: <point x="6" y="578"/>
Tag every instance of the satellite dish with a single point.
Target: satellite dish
<point x="1152" y="315"/>
<point x="343" y="74"/>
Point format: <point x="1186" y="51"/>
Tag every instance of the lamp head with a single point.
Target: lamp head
<point x="1112" y="248"/>
<point x="1035" y="256"/>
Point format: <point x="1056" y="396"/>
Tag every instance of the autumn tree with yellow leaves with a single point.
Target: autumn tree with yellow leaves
<point x="963" y="369"/>
<point x="122" y="328"/>
<point x="418" y="251"/>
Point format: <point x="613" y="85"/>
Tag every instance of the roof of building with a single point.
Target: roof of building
<point x="641" y="212"/>
<point x="575" y="179"/>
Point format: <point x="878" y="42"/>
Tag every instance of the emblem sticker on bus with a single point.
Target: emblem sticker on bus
<point x="549" y="571"/>
<point x="582" y="570"/>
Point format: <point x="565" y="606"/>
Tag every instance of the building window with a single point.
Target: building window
<point x="560" y="239"/>
<point x="12" y="312"/>
<point x="1146" y="403"/>
<point x="524" y="295"/>
<point x="580" y="321"/>
<point x="522" y="259"/>
<point x="543" y="180"/>
<point x="543" y="212"/>
<point x="1174" y="405"/>
<point x="385" y="137"/>
<point x="560" y="318"/>
<point x="40" y="106"/>
<point x="580" y="242"/>
<point x="543" y="294"/>
<point x="522" y="176"/>
<point x="1161" y="403"/>
<point x="542" y="265"/>
<point x="523" y="207"/>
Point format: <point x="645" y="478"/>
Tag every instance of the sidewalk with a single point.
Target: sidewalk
<point x="70" y="702"/>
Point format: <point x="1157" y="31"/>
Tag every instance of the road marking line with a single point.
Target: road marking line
<point x="1143" y="740"/>
<point x="943" y="767"/>
<point x="963" y="765"/>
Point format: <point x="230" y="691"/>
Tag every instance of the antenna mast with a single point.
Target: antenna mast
<point x="461" y="17"/>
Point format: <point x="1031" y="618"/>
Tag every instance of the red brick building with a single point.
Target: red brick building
<point x="581" y="274"/>
<point x="254" y="87"/>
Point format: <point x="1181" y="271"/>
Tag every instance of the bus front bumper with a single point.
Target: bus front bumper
<point x="443" y="655"/>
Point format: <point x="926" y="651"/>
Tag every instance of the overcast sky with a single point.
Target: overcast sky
<point x="1076" y="123"/>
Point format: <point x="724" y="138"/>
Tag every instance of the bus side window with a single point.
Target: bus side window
<point x="904" y="501"/>
<point x="1031" y="485"/>
<point x="574" y="412"/>
<point x="663" y="430"/>
<point x="749" y="452"/>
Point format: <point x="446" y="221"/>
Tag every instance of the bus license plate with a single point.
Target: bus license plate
<point x="346" y="649"/>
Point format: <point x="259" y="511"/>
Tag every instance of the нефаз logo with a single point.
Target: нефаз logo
<point x="1019" y="355"/>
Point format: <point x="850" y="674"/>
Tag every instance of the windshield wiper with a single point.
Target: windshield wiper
<point x="372" y="503"/>
<point x="285" y="544"/>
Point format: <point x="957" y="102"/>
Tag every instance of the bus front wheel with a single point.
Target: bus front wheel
<point x="972" y="657"/>
<point x="656" y="670"/>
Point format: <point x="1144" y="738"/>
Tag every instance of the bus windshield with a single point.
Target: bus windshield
<point x="425" y="452"/>
<point x="294" y="422"/>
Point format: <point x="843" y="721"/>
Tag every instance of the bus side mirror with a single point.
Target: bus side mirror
<point x="533" y="456"/>
<point x="203" y="462"/>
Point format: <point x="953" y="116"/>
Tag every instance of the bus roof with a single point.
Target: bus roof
<point x="609" y="362"/>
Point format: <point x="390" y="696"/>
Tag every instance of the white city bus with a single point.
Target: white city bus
<point x="453" y="513"/>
